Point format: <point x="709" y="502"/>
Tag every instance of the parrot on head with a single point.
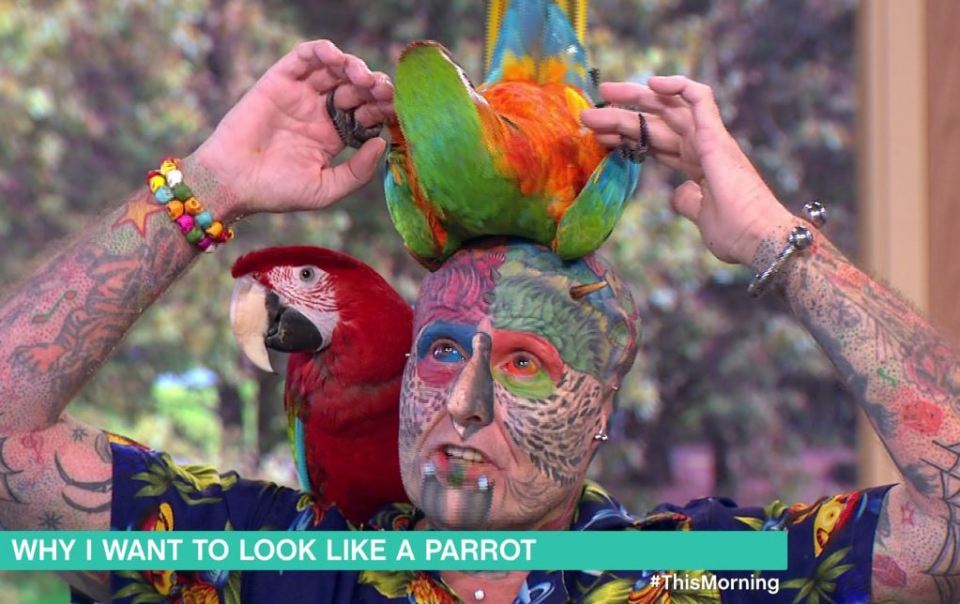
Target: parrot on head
<point x="347" y="332"/>
<point x="509" y="157"/>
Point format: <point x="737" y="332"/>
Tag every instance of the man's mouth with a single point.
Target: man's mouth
<point x="459" y="467"/>
<point x="468" y="455"/>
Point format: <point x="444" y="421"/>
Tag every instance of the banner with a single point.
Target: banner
<point x="393" y="550"/>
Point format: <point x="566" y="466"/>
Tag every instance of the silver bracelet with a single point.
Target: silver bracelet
<point x="799" y="239"/>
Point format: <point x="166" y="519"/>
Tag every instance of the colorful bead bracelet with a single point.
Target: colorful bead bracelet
<point x="195" y="223"/>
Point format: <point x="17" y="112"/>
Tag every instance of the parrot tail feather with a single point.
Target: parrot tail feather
<point x="576" y="12"/>
<point x="540" y="41"/>
<point x="495" y="10"/>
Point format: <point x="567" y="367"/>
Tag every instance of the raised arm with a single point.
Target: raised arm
<point x="274" y="152"/>
<point x="902" y="373"/>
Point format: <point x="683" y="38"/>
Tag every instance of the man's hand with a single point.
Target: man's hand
<point x="725" y="197"/>
<point x="874" y="337"/>
<point x="274" y="150"/>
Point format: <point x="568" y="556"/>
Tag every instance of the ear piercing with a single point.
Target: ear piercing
<point x="601" y="436"/>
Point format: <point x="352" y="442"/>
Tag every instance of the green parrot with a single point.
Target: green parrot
<point x="509" y="157"/>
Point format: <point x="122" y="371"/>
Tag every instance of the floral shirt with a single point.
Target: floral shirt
<point x="830" y="544"/>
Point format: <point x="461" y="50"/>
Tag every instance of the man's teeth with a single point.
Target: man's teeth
<point x="464" y="454"/>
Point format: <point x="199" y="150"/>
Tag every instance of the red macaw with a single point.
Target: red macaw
<point x="347" y="333"/>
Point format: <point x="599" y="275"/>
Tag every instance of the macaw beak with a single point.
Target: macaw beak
<point x="249" y="320"/>
<point x="268" y="330"/>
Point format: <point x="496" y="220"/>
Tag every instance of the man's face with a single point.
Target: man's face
<point x="508" y="382"/>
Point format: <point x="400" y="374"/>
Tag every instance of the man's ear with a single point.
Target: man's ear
<point x="609" y="404"/>
<point x="605" y="414"/>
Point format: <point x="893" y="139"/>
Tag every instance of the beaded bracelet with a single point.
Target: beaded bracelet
<point x="196" y="223"/>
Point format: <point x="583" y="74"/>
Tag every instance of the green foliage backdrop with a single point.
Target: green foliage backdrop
<point x="728" y="395"/>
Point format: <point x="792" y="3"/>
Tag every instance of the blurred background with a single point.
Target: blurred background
<point x="729" y="395"/>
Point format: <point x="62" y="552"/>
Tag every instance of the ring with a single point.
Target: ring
<point x="637" y="153"/>
<point x="350" y="131"/>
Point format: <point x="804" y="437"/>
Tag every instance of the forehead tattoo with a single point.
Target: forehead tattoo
<point x="524" y="287"/>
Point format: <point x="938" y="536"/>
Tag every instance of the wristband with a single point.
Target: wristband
<point x="196" y="223"/>
<point x="799" y="239"/>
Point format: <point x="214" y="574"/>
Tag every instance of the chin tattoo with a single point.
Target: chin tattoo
<point x="453" y="502"/>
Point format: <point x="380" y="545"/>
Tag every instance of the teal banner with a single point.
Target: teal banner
<point x="409" y="550"/>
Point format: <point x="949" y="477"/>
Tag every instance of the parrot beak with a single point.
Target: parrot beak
<point x="248" y="319"/>
<point x="288" y="330"/>
<point x="266" y="329"/>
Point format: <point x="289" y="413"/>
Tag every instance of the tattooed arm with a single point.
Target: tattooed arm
<point x="55" y="330"/>
<point x="907" y="379"/>
<point x="901" y="372"/>
<point x="275" y="148"/>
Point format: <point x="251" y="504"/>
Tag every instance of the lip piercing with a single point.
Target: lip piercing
<point x="429" y="469"/>
<point x="483" y="483"/>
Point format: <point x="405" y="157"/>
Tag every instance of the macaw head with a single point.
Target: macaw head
<point x="307" y="300"/>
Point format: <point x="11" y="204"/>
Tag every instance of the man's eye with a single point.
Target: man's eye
<point x="446" y="352"/>
<point x="523" y="365"/>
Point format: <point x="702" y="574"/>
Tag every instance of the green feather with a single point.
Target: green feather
<point x="433" y="95"/>
<point x="408" y="219"/>
<point x="598" y="207"/>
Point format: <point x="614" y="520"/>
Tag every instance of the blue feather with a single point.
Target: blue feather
<point x="598" y="207"/>
<point x="539" y="29"/>
<point x="300" y="454"/>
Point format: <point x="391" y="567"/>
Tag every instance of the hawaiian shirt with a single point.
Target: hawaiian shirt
<point x="830" y="544"/>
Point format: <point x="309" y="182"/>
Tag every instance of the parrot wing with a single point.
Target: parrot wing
<point x="422" y="233"/>
<point x="590" y="220"/>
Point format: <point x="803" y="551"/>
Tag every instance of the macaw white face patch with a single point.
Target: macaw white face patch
<point x="310" y="291"/>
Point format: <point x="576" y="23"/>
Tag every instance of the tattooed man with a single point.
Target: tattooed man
<point x="508" y="388"/>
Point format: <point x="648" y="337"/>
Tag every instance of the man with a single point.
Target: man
<point x="504" y="402"/>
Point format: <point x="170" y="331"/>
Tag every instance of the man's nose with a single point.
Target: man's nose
<point x="471" y="401"/>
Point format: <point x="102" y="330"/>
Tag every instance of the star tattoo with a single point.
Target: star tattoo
<point x="79" y="434"/>
<point x="51" y="520"/>
<point x="137" y="214"/>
